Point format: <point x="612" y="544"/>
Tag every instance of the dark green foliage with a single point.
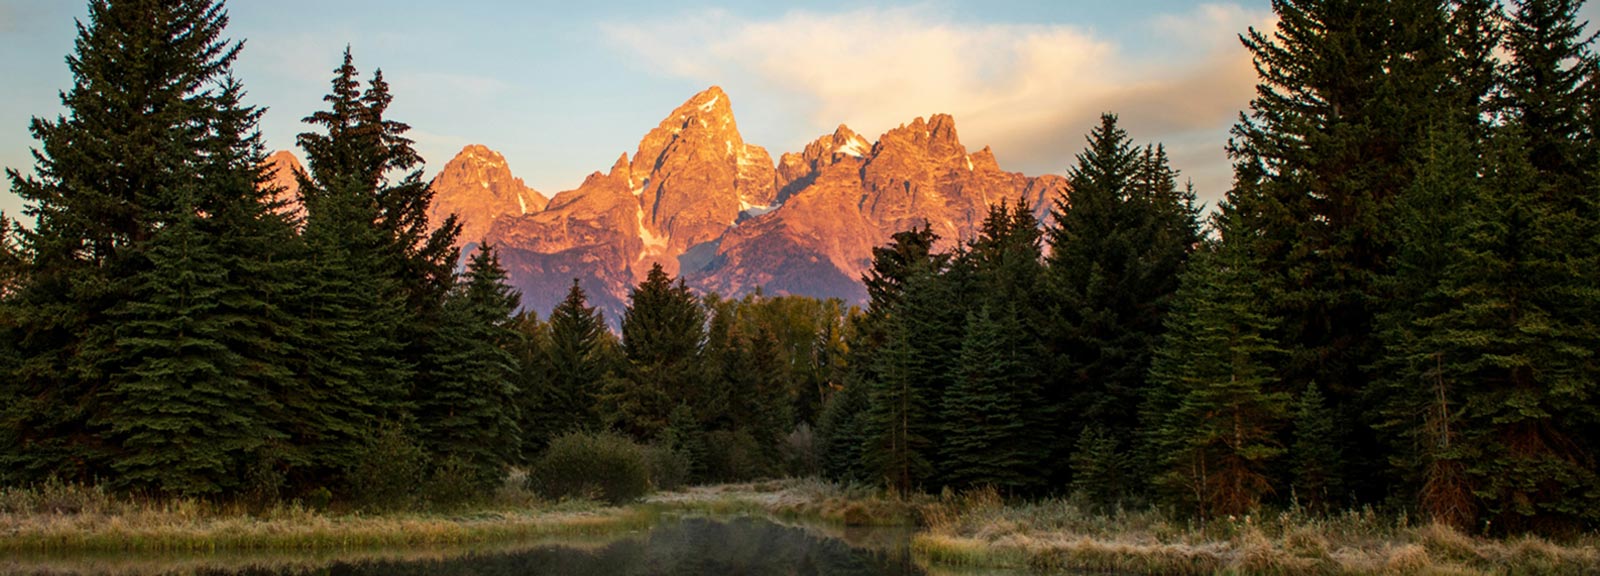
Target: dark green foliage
<point x="351" y="302"/>
<point x="178" y="407"/>
<point x="841" y="433"/>
<point x="1318" y="463"/>
<point x="1215" y="367"/>
<point x="900" y="417"/>
<point x="1116" y="249"/>
<point x="468" y="411"/>
<point x="991" y="414"/>
<point x="663" y="332"/>
<point x="605" y="466"/>
<point x="388" y="469"/>
<point x="1544" y="91"/>
<point x="1502" y="369"/>
<point x="575" y="359"/>
<point x="1099" y="467"/>
<point x="1348" y="92"/>
<point x="154" y="135"/>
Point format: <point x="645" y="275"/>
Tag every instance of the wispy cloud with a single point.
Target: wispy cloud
<point x="1031" y="91"/>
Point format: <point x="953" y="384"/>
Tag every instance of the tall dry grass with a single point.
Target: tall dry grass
<point x="68" y="517"/>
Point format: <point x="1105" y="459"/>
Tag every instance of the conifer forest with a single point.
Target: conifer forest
<point x="1396" y="304"/>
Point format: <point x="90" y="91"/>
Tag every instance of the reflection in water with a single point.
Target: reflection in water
<point x="686" y="547"/>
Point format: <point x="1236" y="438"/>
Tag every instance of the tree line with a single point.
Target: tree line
<point x="1392" y="306"/>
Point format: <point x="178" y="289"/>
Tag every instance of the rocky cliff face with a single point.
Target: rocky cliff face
<point x="697" y="199"/>
<point x="282" y="166"/>
<point x="842" y="197"/>
<point x="477" y="186"/>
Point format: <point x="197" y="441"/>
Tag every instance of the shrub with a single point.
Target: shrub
<point x="669" y="468"/>
<point x="387" y="473"/>
<point x="604" y="466"/>
<point x="734" y="457"/>
<point x="453" y="482"/>
<point x="799" y="450"/>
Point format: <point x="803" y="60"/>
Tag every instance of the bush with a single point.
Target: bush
<point x="388" y="471"/>
<point x="799" y="451"/>
<point x="734" y="457"/>
<point x="604" y="466"/>
<point x="452" y="483"/>
<point x="669" y="468"/>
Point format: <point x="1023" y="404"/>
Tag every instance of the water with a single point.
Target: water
<point x="675" y="547"/>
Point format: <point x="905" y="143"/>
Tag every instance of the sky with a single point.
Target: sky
<point x="562" y="88"/>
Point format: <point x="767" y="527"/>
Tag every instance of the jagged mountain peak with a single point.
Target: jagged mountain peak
<point x="697" y="199"/>
<point x="478" y="187"/>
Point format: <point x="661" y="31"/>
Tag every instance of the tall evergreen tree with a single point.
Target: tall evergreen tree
<point x="899" y="449"/>
<point x="1431" y="219"/>
<point x="1545" y="94"/>
<point x="663" y="333"/>
<point x="471" y="414"/>
<point x="150" y="111"/>
<point x="991" y="414"/>
<point x="182" y="414"/>
<point x="574" y="357"/>
<point x="1116" y="249"/>
<point x="1506" y="364"/>
<point x="1219" y="432"/>
<point x="1347" y="92"/>
<point x="1318" y="463"/>
<point x="352" y="303"/>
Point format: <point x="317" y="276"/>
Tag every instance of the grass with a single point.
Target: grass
<point x="974" y="530"/>
<point x="71" y="518"/>
<point x="979" y="529"/>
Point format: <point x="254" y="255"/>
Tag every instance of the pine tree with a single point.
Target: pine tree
<point x="1347" y="92"/>
<point x="150" y="110"/>
<point x="470" y="414"/>
<point x="1544" y="90"/>
<point x="663" y="333"/>
<point x="990" y="414"/>
<point x="573" y="356"/>
<point x="1431" y="219"/>
<point x="1507" y="361"/>
<point x="181" y="413"/>
<point x="1318" y="464"/>
<point x="1214" y="366"/>
<point x="352" y="302"/>
<point x="1116" y="249"/>
<point x="898" y="451"/>
<point x="841" y="434"/>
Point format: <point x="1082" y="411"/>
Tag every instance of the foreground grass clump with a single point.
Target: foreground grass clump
<point x="56" y="516"/>
<point x="979" y="529"/>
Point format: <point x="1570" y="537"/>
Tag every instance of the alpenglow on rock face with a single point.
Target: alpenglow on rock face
<point x="697" y="199"/>
<point x="478" y="187"/>
<point x="282" y="166"/>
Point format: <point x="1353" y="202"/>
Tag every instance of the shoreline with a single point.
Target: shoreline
<point x="972" y="530"/>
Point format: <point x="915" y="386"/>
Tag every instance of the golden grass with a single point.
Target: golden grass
<point x="69" y="518"/>
<point x="972" y="530"/>
<point x="1052" y="536"/>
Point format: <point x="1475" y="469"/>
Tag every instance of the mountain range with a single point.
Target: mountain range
<point x="718" y="211"/>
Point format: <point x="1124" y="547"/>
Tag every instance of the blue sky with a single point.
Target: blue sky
<point x="563" y="88"/>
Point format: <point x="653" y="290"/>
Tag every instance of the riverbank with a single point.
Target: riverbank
<point x="65" y="518"/>
<point x="980" y="530"/>
<point x="976" y="530"/>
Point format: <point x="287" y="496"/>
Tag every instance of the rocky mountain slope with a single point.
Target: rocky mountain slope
<point x="477" y="186"/>
<point x="699" y="200"/>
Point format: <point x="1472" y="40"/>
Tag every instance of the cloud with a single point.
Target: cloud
<point x="1030" y="90"/>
